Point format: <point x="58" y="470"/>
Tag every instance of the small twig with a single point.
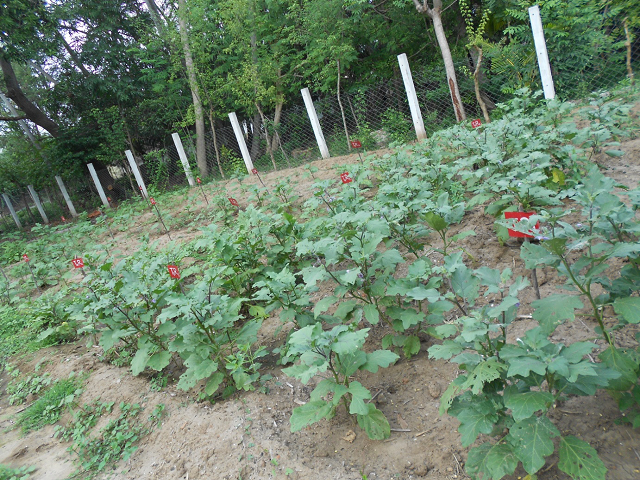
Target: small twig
<point x="634" y="450"/>
<point x="459" y="467"/>
<point x="372" y="398"/>
<point x="399" y="430"/>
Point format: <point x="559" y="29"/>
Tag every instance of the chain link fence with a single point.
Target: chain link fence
<point x="376" y="115"/>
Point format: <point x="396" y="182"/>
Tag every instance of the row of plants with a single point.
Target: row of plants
<point x="371" y="241"/>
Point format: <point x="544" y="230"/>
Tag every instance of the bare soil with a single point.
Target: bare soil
<point x="248" y="436"/>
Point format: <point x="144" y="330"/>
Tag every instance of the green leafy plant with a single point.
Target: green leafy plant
<point x="21" y="473"/>
<point x="338" y="351"/>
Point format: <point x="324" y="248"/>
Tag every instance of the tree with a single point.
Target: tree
<point x="435" y="14"/>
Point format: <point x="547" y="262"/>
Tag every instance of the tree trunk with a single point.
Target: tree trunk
<point x="201" y="153"/>
<point x="344" y="120"/>
<point x="15" y="93"/>
<point x="435" y="14"/>
<point x="627" y="44"/>
<point x="267" y="138"/>
<point x="476" y="84"/>
<point x="215" y="142"/>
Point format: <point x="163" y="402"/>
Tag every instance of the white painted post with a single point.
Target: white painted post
<point x="136" y="173"/>
<point x="65" y="194"/>
<point x="7" y="200"/>
<point x="241" y="143"/>
<point x="315" y="123"/>
<point x="541" y="51"/>
<point x="96" y="180"/>
<point x="36" y="200"/>
<point x="416" y="114"/>
<point x="183" y="158"/>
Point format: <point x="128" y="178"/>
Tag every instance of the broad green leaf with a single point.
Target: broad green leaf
<point x="534" y="255"/>
<point x="371" y="314"/>
<point x="421" y="293"/>
<point x="491" y="461"/>
<point x="435" y="221"/>
<point x="576" y="351"/>
<point x="553" y="310"/>
<point x="464" y="284"/>
<point x="345" y="308"/>
<point x="579" y="460"/>
<point x="628" y="308"/>
<point x="310" y="412"/>
<point x="323" y="305"/>
<point x="525" y="404"/>
<point x="304" y="373"/>
<point x="358" y="395"/>
<point x="473" y="423"/>
<point x="349" y="277"/>
<point x="140" y="359"/>
<point x="197" y="369"/>
<point x="249" y="332"/>
<point x="557" y="246"/>
<point x="531" y="441"/>
<point x="484" y="372"/>
<point x="328" y="385"/>
<point x="450" y="393"/>
<point x="614" y="153"/>
<point x="411" y="346"/>
<point x="448" y="349"/>
<point x="523" y="366"/>
<point x="348" y="342"/>
<point x="159" y="360"/>
<point x="350" y="362"/>
<point x="379" y="358"/>
<point x="374" y="423"/>
<point x="619" y="361"/>
<point x="213" y="383"/>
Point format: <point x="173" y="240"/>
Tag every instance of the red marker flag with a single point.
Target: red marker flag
<point x="345" y="177"/>
<point x="25" y="257"/>
<point x="476" y="123"/>
<point x="254" y="171"/>
<point x="519" y="216"/>
<point x="63" y="219"/>
<point x="173" y="271"/>
<point x="77" y="263"/>
<point x="153" y="202"/>
<point x="198" y="180"/>
<point x="355" y="144"/>
<point x="233" y="201"/>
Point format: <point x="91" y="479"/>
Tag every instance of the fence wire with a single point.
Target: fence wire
<point x="376" y="115"/>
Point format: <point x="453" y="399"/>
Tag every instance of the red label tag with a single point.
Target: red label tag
<point x="254" y="171"/>
<point x="173" y="271"/>
<point x="519" y="216"/>
<point x="108" y="199"/>
<point x="153" y="202"/>
<point x="233" y="201"/>
<point x="198" y="180"/>
<point x="77" y="263"/>
<point x="476" y="123"/>
<point x="63" y="219"/>
<point x="345" y="177"/>
<point x="140" y="188"/>
<point x="25" y="257"/>
<point x="355" y="144"/>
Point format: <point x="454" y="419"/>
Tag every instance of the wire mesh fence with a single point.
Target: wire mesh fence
<point x="375" y="115"/>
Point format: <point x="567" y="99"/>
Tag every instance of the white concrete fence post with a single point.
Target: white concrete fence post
<point x="241" y="143"/>
<point x="96" y="180"/>
<point x="65" y="194"/>
<point x="183" y="158"/>
<point x="315" y="123"/>
<point x="36" y="200"/>
<point x="416" y="114"/>
<point x="541" y="51"/>
<point x="136" y="173"/>
<point x="12" y="211"/>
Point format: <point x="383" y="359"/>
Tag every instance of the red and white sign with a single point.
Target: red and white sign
<point x="25" y="257"/>
<point x="233" y="201"/>
<point x="198" y="180"/>
<point x="355" y="144"/>
<point x="77" y="263"/>
<point x="254" y="171"/>
<point x="519" y="216"/>
<point x="153" y="202"/>
<point x="345" y="177"/>
<point x="476" y="123"/>
<point x="173" y="271"/>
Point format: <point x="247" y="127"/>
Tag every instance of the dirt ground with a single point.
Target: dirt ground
<point x="248" y="436"/>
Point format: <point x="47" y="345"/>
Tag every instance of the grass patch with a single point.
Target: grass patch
<point x="116" y="441"/>
<point x="8" y="473"/>
<point x="50" y="406"/>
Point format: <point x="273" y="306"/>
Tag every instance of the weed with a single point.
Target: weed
<point x="8" y="473"/>
<point x="50" y="406"/>
<point x="114" y="442"/>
